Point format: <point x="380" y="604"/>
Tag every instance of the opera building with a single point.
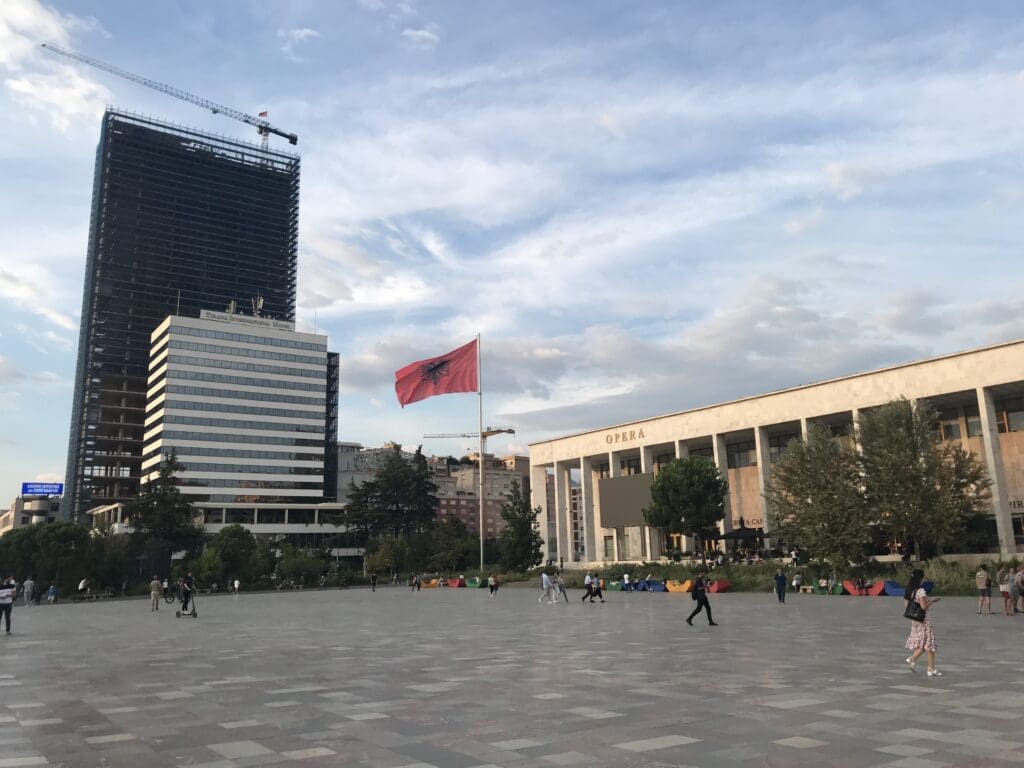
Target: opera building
<point x="599" y="481"/>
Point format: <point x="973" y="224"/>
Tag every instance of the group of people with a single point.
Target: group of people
<point x="1010" y="581"/>
<point x="552" y="587"/>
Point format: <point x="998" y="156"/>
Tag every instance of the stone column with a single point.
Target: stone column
<point x="855" y="415"/>
<point x="803" y="429"/>
<point x="722" y="462"/>
<point x="539" y="498"/>
<point x="996" y="472"/>
<point x="648" y="536"/>
<point x="764" y="470"/>
<point x="563" y="548"/>
<point x="682" y="449"/>
<point x="587" y="509"/>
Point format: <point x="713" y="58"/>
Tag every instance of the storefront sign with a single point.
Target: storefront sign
<point x="42" y="489"/>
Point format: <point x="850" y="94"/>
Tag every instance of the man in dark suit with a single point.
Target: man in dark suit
<point x="699" y="593"/>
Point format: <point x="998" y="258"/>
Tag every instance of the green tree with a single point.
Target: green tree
<point x="452" y="545"/>
<point x="688" y="497"/>
<point x="240" y="554"/>
<point x="210" y="569"/>
<point x="400" y="498"/>
<point x="162" y="521"/>
<point x="923" y="491"/>
<point x="301" y="566"/>
<point x="520" y="544"/>
<point x="816" y="502"/>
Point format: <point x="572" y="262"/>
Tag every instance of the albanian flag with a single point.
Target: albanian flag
<point x="455" y="371"/>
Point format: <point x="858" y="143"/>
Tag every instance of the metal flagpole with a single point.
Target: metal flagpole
<point x="480" y="415"/>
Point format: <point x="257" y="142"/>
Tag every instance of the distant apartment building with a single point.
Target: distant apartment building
<point x="29" y="510"/>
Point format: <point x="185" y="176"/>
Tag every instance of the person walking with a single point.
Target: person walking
<point x="597" y="589"/>
<point x="922" y="633"/>
<point x="155" y="586"/>
<point x="560" y="585"/>
<point x="1018" y="607"/>
<point x="780" y="586"/>
<point x="983" y="582"/>
<point x="1003" y="580"/>
<point x="238" y="585"/>
<point x="588" y="588"/>
<point x="492" y="585"/>
<point x="373" y="582"/>
<point x="626" y="586"/>
<point x="8" y="590"/>
<point x="28" y="591"/>
<point x="546" y="588"/>
<point x="699" y="594"/>
<point x="51" y="594"/>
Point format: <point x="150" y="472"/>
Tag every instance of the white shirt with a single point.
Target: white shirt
<point x="588" y="581"/>
<point x="625" y="579"/>
<point x="545" y="581"/>
<point x="7" y="594"/>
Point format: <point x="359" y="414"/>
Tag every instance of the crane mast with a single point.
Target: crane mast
<point x="263" y="126"/>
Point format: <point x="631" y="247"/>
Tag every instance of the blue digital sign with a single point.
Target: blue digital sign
<point x="42" y="489"/>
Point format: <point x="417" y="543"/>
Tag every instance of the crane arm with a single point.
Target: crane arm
<point x="263" y="126"/>
<point x="489" y="432"/>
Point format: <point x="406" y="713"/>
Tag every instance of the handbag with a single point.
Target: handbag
<point x="914" y="611"/>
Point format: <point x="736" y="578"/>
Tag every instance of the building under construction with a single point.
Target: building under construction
<point x="181" y="221"/>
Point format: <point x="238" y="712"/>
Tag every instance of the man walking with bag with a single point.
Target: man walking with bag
<point x="699" y="593"/>
<point x="7" y="595"/>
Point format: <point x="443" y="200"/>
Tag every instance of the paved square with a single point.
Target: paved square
<point x="455" y="679"/>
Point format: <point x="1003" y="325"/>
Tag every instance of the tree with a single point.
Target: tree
<point x="815" y="499"/>
<point x="452" y="544"/>
<point x="301" y="566"/>
<point x="162" y="521"/>
<point x="240" y="554"/>
<point x="688" y="497"/>
<point x="923" y="491"/>
<point x="210" y="568"/>
<point x="400" y="498"/>
<point x="520" y="544"/>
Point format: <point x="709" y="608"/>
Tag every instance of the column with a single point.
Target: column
<point x="856" y="431"/>
<point x="614" y="470"/>
<point x="764" y="470"/>
<point x="539" y="498"/>
<point x="803" y="429"/>
<point x="722" y="462"/>
<point x="996" y="473"/>
<point x="561" y="513"/>
<point x="647" y="536"/>
<point x="682" y="449"/>
<point x="587" y="509"/>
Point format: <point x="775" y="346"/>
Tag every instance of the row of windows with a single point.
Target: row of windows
<point x="209" y="362"/>
<point x="194" y="466"/>
<point x="195" y="482"/>
<point x="252" y="410"/>
<point x="232" y="453"/>
<point x="263" y="354"/>
<point x="246" y="382"/>
<point x="198" y="421"/>
<point x="219" y="437"/>
<point x="182" y="389"/>
<point x="266" y="516"/>
<point x="246" y="338"/>
<point x="247" y="498"/>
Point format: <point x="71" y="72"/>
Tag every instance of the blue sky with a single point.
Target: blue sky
<point x="643" y="207"/>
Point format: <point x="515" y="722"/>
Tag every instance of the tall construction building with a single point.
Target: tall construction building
<point x="181" y="221"/>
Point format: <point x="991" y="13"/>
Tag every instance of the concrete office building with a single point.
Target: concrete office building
<point x="979" y="395"/>
<point x="243" y="403"/>
<point x="458" y="490"/>
<point x="181" y="221"/>
<point x="29" y="510"/>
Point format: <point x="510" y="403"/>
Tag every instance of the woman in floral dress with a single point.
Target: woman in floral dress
<point x="922" y="633"/>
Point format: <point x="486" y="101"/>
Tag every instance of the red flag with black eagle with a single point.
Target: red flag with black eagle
<point x="455" y="371"/>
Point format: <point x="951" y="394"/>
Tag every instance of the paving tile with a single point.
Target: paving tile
<point x="238" y="749"/>
<point x="659" y="742"/>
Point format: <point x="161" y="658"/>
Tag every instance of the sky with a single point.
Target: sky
<point x="641" y="207"/>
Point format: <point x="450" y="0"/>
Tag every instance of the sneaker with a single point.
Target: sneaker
<point x="712" y="623"/>
<point x="934" y="673"/>
<point x="690" y="622"/>
<point x="912" y="664"/>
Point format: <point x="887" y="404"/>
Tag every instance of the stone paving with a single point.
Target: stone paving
<point x="455" y="679"/>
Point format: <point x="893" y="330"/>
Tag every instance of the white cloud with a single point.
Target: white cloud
<point x="39" y="80"/>
<point x="29" y="294"/>
<point x="425" y="38"/>
<point x="808" y="221"/>
<point x="292" y="38"/>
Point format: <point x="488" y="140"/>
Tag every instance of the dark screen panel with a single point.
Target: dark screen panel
<point x="623" y="499"/>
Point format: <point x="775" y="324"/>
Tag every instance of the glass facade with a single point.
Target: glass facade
<point x="181" y="221"/>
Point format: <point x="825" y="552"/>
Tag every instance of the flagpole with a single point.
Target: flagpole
<point x="480" y="418"/>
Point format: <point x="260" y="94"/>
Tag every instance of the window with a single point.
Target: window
<point x="948" y="427"/>
<point x="741" y="455"/>
<point x="777" y="445"/>
<point x="1010" y="415"/>
<point x="609" y="547"/>
<point x="973" y="421"/>
<point x="707" y="453"/>
<point x="630" y="466"/>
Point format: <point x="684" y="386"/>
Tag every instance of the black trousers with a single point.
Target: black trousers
<point x="589" y="593"/>
<point x="5" y="611"/>
<point x="782" y="595"/>
<point x="702" y="602"/>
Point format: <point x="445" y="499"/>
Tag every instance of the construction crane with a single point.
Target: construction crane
<point x="488" y="432"/>
<point x="262" y="125"/>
